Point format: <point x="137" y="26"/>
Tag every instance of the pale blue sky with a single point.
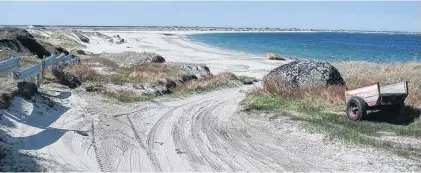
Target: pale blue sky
<point x="392" y="16"/>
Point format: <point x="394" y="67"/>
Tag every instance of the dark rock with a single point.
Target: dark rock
<point x="156" y="59"/>
<point x="197" y="69"/>
<point x="170" y="85"/>
<point x="188" y="77"/>
<point x="82" y="37"/>
<point x="5" y="100"/>
<point x="27" y="90"/>
<point x="21" y="41"/>
<point x="159" y="87"/>
<point x="94" y="88"/>
<point x="247" y="80"/>
<point x="55" y="49"/>
<point x="111" y="40"/>
<point x="308" y="73"/>
<point x="64" y="77"/>
<point x="80" y="52"/>
<point x="164" y="87"/>
<point x="60" y="50"/>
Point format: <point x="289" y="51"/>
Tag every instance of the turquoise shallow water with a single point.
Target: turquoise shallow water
<point x="327" y="46"/>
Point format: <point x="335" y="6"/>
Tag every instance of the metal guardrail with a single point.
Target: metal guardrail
<point x="12" y="66"/>
<point x="9" y="65"/>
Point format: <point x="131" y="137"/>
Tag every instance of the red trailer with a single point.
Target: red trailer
<point x="374" y="96"/>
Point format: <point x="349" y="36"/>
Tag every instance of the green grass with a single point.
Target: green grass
<point x="330" y="119"/>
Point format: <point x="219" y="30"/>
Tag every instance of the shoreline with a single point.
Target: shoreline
<point x="176" y="48"/>
<point x="298" y="57"/>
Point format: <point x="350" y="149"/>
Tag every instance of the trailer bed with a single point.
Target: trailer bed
<point x="360" y="99"/>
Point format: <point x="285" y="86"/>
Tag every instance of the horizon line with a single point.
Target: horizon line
<point x="221" y="27"/>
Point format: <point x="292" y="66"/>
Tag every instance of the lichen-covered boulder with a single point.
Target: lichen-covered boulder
<point x="302" y="73"/>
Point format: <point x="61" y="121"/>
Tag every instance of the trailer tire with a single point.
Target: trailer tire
<point x="356" y="108"/>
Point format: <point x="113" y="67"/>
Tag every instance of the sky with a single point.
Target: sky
<point x="385" y="16"/>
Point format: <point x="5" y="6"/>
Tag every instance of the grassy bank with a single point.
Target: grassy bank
<point x="101" y="71"/>
<point x="321" y="109"/>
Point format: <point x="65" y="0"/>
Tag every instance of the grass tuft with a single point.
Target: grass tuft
<point x="209" y="83"/>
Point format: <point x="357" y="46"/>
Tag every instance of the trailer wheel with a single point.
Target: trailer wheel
<point x="356" y="108"/>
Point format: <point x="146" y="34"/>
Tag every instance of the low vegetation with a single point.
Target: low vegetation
<point x="113" y="73"/>
<point x="323" y="107"/>
<point x="223" y="80"/>
<point x="146" y="73"/>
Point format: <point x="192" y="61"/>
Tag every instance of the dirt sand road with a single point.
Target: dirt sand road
<point x="206" y="133"/>
<point x="200" y="133"/>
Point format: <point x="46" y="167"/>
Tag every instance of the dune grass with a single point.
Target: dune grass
<point x="148" y="73"/>
<point x="141" y="73"/>
<point x="206" y="84"/>
<point x="321" y="109"/>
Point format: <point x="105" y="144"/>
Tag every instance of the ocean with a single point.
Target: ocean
<point x="326" y="46"/>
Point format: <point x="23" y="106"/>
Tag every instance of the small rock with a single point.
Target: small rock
<point x="94" y="88"/>
<point x="247" y="80"/>
<point x="27" y="89"/>
<point x="188" y="77"/>
<point x="273" y="56"/>
<point x="197" y="70"/>
<point x="80" y="52"/>
<point x="5" y="100"/>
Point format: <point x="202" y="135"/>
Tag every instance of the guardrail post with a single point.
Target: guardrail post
<point x="40" y="75"/>
<point x="12" y="75"/>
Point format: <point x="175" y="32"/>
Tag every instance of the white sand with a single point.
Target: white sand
<point x="176" y="48"/>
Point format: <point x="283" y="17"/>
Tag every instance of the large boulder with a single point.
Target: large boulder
<point x="303" y="73"/>
<point x="22" y="42"/>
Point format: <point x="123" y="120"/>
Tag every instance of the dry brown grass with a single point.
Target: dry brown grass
<point x="101" y="61"/>
<point x="142" y="73"/>
<point x="278" y="86"/>
<point x="362" y="73"/>
<point x="355" y="74"/>
<point x="85" y="72"/>
<point x="150" y="72"/>
<point x="208" y="83"/>
<point x="126" y="96"/>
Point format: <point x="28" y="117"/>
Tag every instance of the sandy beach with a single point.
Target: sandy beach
<point x="86" y="131"/>
<point x="175" y="47"/>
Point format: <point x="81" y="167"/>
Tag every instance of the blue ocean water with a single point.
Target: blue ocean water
<point x="327" y="46"/>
